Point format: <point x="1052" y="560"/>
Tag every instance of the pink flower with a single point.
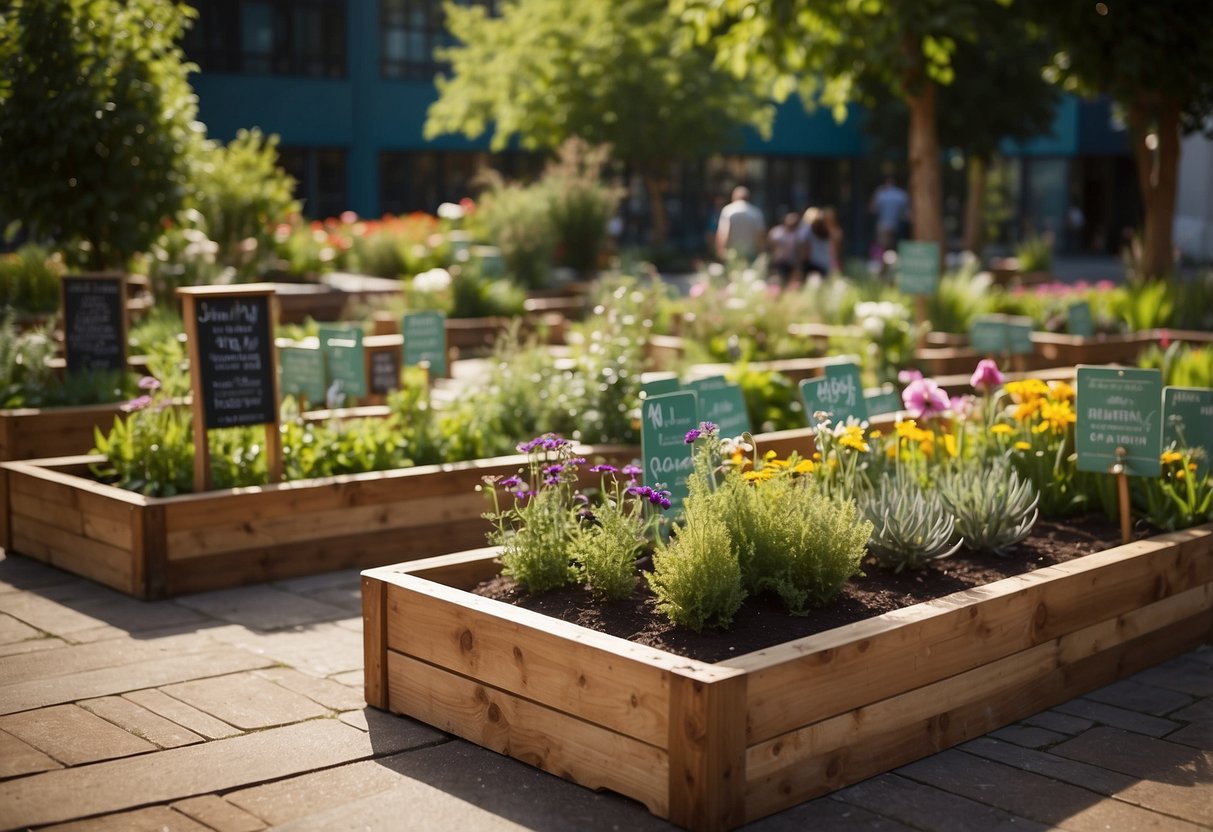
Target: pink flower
<point x="986" y="376"/>
<point x="137" y="403"/>
<point x="963" y="406"/>
<point x="907" y="376"/>
<point x="1164" y="339"/>
<point x="924" y="398"/>
<point x="149" y="383"/>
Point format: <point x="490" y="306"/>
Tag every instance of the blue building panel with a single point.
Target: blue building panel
<point x="797" y="132"/>
<point x="303" y="111"/>
<point x="1061" y="140"/>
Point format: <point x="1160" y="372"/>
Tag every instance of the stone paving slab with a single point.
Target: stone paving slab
<point x="166" y="776"/>
<point x="323" y="649"/>
<point x="826" y="814"/>
<point x="903" y="800"/>
<point x="40" y="693"/>
<point x="264" y="608"/>
<point x="1135" y="695"/>
<point x="1189" y="674"/>
<point x="246" y="701"/>
<point x="330" y="694"/>
<point x="155" y="819"/>
<point x="73" y="736"/>
<point x="1029" y="736"/>
<point x="18" y="757"/>
<point x="1032" y="796"/>
<point x="314" y="793"/>
<point x="19" y="574"/>
<point x="140" y="721"/>
<point x="1061" y="723"/>
<point x="216" y="813"/>
<point x="179" y="713"/>
<point x="13" y="630"/>
<point x="1124" y="718"/>
<point x="19" y="648"/>
<point x="78" y="658"/>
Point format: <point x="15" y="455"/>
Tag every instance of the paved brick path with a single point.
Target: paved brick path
<point x="242" y="710"/>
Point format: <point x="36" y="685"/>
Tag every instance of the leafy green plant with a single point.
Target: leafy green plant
<point x="29" y="280"/>
<point x="1182" y="365"/>
<point x="1038" y="437"/>
<point x="961" y="297"/>
<point x="1145" y="304"/>
<point x="151" y="451"/>
<point x="1035" y="253"/>
<point x="581" y="204"/>
<point x="517" y="219"/>
<point x="994" y="509"/>
<point x="910" y="525"/>
<point x="1182" y="496"/>
<point x="614" y="533"/>
<point x="697" y="577"/>
<point x="96" y="122"/>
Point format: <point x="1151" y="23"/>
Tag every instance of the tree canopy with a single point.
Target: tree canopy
<point x="1154" y="60"/>
<point x="608" y="71"/>
<point x="96" y="121"/>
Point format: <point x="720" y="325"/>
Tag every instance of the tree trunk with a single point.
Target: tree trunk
<point x="1157" y="176"/>
<point x="974" y="232"/>
<point x="654" y="183"/>
<point x="926" y="197"/>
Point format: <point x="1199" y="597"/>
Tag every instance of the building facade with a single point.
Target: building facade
<point x="346" y="85"/>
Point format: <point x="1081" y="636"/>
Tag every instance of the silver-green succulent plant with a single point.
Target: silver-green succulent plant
<point x="910" y="525"/>
<point x="994" y="508"/>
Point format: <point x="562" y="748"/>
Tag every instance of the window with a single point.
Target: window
<point x="281" y="37"/>
<point x="410" y="31"/>
<point x="321" y="178"/>
<point x="423" y="180"/>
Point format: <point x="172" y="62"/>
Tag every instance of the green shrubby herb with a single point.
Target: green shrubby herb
<point x="910" y="525"/>
<point x="994" y="508"/>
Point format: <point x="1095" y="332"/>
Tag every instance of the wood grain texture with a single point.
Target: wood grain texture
<point x="707" y="751"/>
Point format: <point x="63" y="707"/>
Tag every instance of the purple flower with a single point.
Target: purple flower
<point x="522" y="495"/>
<point x="137" y="403"/>
<point x="986" y="376"/>
<point x="908" y="376"/>
<point x="924" y="398"/>
<point x="577" y="460"/>
<point x="553" y="470"/>
<point x="691" y="436"/>
<point x="149" y="383"/>
<point x="604" y="469"/>
<point x="632" y="470"/>
<point x="510" y="482"/>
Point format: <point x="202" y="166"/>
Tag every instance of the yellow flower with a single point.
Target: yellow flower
<point x="906" y="429"/>
<point x="1171" y="456"/>
<point x="805" y="466"/>
<point x="1027" y="390"/>
<point x="1002" y="429"/>
<point x="761" y="475"/>
<point x="769" y="455"/>
<point x="1180" y="474"/>
<point x="1059" y="391"/>
<point x="1023" y="446"/>
<point x="1040" y="427"/>
<point x="853" y="438"/>
<point x="949" y="445"/>
<point x="1057" y="415"/>
<point x="777" y="464"/>
<point x="875" y="434"/>
<point x="1026" y="409"/>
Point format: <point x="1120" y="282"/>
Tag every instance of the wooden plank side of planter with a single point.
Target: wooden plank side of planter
<point x="57" y="431"/>
<point x="550" y="662"/>
<point x="850" y="747"/>
<point x="241" y="530"/>
<point x="878" y="658"/>
<point x="707" y="751"/>
<point x="572" y="748"/>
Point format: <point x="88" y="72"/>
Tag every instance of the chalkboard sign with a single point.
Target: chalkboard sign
<point x="1119" y="419"/>
<point x="1019" y="336"/>
<point x="94" y="323"/>
<point x="344" y="361"/>
<point x="723" y="404"/>
<point x="656" y="384"/>
<point x="1187" y="414"/>
<point x="665" y="420"/>
<point x="425" y="341"/>
<point x="883" y="403"/>
<point x="302" y="373"/>
<point x="988" y="335"/>
<point x="1079" y="320"/>
<point x="234" y="351"/>
<point x="838" y="393"/>
<point x="385" y="371"/>
<point x="917" y="267"/>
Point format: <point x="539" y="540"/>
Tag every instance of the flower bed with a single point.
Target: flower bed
<point x="713" y="746"/>
<point x="156" y="547"/>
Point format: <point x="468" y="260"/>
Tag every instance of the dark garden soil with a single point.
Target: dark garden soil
<point x="762" y="622"/>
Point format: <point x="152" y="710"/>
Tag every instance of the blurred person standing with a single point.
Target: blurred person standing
<point x="891" y="206"/>
<point x="815" y="244"/>
<point x="742" y="229"/>
<point x="783" y="246"/>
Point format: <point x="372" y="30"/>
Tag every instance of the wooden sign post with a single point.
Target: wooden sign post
<point x="94" y="322"/>
<point x="233" y="367"/>
<point x="1119" y="427"/>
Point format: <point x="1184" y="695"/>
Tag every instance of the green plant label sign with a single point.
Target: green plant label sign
<point x="1019" y="336"/>
<point x="1079" y="320"/>
<point x="838" y="393"/>
<point x="1187" y="414"/>
<point x="880" y="404"/>
<point x="385" y="370"/>
<point x="659" y="386"/>
<point x="723" y="404"/>
<point x="302" y="373"/>
<point x="988" y="335"/>
<point x="917" y="267"/>
<point x="344" y="361"/>
<point x="665" y="420"/>
<point x="94" y="317"/>
<point x="1119" y="419"/>
<point x="425" y="341"/>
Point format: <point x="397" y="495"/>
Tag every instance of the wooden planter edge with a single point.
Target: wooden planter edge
<point x="498" y="676"/>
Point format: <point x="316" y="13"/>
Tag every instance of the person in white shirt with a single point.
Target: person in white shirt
<point x="742" y="229"/>
<point x="783" y="244"/>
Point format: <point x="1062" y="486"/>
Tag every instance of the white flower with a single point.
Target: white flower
<point x="435" y="280"/>
<point x="450" y="211"/>
<point x="728" y="447"/>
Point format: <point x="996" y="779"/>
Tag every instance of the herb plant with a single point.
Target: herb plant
<point x="994" y="508"/>
<point x="910" y="524"/>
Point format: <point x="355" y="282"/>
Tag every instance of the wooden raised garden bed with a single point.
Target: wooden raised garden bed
<point x="30" y="432"/>
<point x="149" y="547"/>
<point x="713" y="746"/>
